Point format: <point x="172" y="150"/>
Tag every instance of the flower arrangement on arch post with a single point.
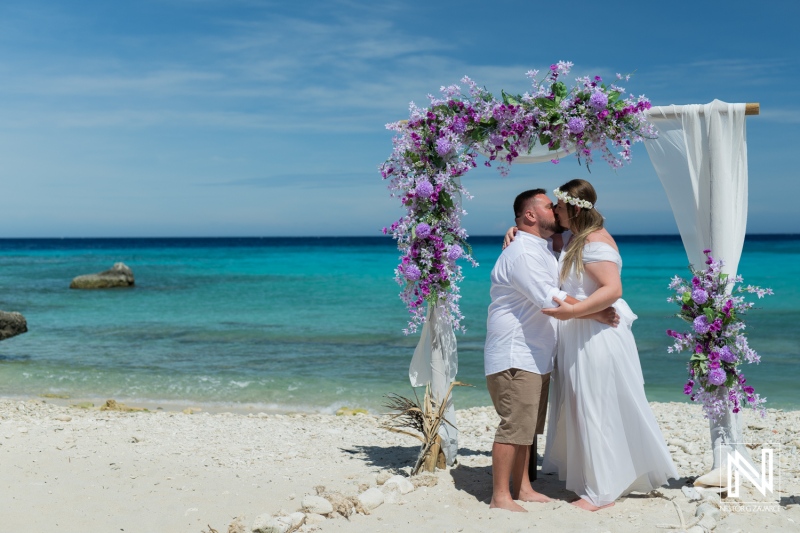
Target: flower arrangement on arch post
<point x="437" y="145"/>
<point x="716" y="339"/>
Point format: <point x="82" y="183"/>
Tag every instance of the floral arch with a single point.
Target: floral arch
<point x="698" y="151"/>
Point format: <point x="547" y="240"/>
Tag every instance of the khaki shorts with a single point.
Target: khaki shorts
<point x="520" y="398"/>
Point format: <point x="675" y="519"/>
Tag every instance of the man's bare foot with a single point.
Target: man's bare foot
<point x="508" y="505"/>
<point x="583" y="504"/>
<point x="533" y="496"/>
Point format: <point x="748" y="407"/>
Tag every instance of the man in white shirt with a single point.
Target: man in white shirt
<point x="521" y="344"/>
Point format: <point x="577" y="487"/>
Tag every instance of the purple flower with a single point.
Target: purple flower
<point x="443" y="146"/>
<point x="716" y="376"/>
<point x="455" y="252"/>
<point x="701" y="325"/>
<point x="598" y="100"/>
<point x="412" y="272"/>
<point x="727" y="355"/>
<point x="700" y="296"/>
<point x="687" y="389"/>
<point x="422" y="230"/>
<point x="424" y="189"/>
<point x="727" y="307"/>
<point x="675" y="334"/>
<point x="603" y="114"/>
<point x="576" y="125"/>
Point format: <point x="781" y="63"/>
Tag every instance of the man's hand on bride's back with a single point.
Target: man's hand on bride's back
<point x="510" y="234"/>
<point x="608" y="316"/>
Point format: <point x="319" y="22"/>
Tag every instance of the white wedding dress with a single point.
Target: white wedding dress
<point x="602" y="437"/>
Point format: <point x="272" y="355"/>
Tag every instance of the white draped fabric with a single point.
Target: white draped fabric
<point x="435" y="361"/>
<point x="700" y="157"/>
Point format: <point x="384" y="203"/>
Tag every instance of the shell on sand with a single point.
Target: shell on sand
<point x="716" y="480"/>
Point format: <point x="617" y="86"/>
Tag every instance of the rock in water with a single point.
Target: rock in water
<point x="12" y="324"/>
<point x="117" y="276"/>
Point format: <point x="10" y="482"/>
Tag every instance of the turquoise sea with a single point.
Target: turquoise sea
<point x="314" y="324"/>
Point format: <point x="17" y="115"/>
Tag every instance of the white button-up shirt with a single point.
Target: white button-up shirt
<point x="524" y="281"/>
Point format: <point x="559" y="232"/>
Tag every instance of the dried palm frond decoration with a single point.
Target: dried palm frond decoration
<point x="425" y="418"/>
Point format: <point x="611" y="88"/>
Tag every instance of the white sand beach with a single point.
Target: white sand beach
<point x="68" y="469"/>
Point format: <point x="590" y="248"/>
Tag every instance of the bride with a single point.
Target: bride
<point x="602" y="437"/>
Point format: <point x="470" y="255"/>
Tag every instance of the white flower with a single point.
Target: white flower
<point x="561" y="195"/>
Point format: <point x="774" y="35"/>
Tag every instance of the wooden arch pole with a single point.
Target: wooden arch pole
<point x="750" y="108"/>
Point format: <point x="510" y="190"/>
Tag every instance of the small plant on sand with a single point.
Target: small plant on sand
<point x="425" y="418"/>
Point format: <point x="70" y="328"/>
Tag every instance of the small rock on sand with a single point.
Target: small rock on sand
<point x="317" y="505"/>
<point x="371" y="499"/>
<point x="266" y="523"/>
<point x="402" y="483"/>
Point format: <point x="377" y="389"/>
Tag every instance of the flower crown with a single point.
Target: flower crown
<point x="561" y="195"/>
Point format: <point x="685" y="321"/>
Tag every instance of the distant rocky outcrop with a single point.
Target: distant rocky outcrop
<point x="117" y="276"/>
<point x="11" y="325"/>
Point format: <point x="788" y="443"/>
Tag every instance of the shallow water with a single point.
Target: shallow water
<point x="314" y="324"/>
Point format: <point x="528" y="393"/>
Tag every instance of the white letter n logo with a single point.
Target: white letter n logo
<point x="744" y="467"/>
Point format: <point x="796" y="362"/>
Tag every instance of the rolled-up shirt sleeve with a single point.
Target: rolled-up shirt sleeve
<point x="534" y="280"/>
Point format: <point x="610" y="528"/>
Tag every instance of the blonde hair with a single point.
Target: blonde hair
<point x="582" y="224"/>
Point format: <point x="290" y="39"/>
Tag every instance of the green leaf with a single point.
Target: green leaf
<point x="687" y="297"/>
<point x="730" y="381"/>
<point x="556" y="145"/>
<point x="560" y="90"/>
<point x="544" y="140"/>
<point x="509" y="99"/>
<point x="613" y="96"/>
<point x="449" y="238"/>
<point x="546" y="103"/>
<point x="698" y="357"/>
<point x="445" y="200"/>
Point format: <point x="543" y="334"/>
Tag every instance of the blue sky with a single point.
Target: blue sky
<point x="239" y="118"/>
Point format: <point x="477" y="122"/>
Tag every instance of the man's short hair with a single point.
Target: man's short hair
<point x="521" y="201"/>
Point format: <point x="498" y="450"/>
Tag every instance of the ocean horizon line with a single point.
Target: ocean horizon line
<point x="343" y="241"/>
<point x="622" y="236"/>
